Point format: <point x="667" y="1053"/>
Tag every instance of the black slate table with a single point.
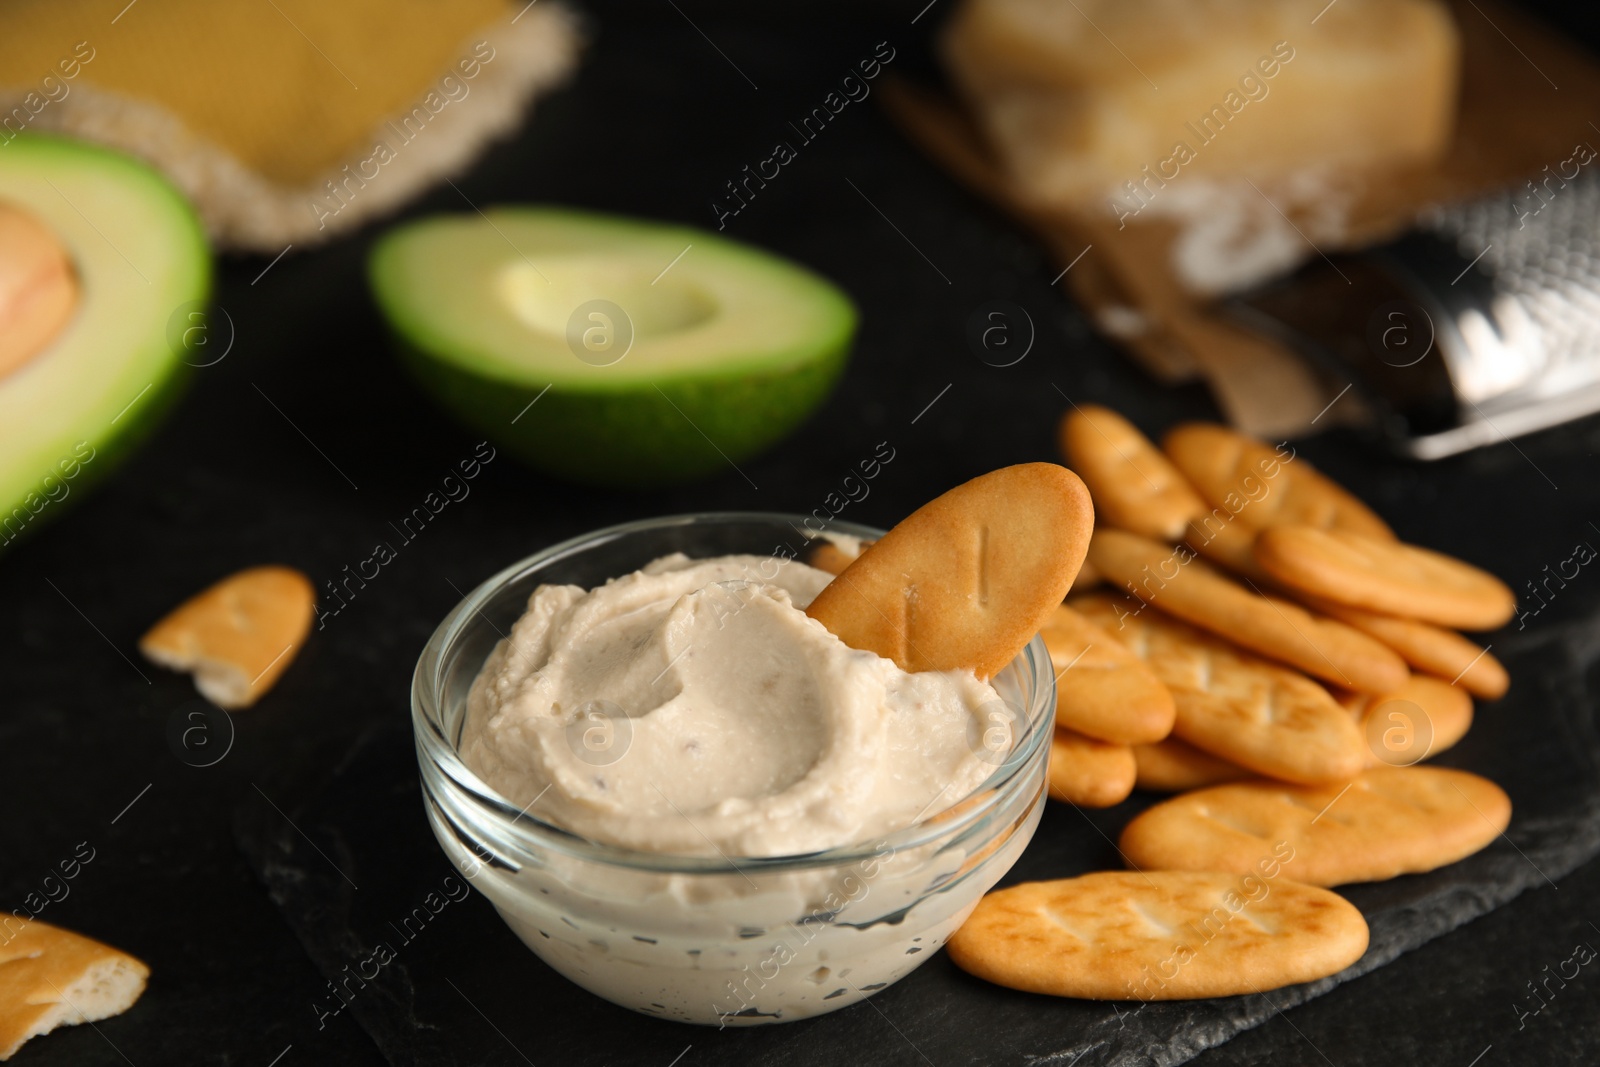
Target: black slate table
<point x="306" y="440"/>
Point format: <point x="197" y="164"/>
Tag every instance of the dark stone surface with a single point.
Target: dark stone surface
<point x="654" y="125"/>
<point x="1539" y="743"/>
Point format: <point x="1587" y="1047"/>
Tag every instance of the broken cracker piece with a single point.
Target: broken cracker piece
<point x="238" y="636"/>
<point x="51" y="977"/>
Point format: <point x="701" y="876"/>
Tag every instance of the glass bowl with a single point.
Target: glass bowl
<point x="719" y="940"/>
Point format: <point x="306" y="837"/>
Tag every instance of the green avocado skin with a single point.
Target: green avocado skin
<point x="747" y="389"/>
<point x="113" y="446"/>
<point x="110" y="452"/>
<point x="645" y="438"/>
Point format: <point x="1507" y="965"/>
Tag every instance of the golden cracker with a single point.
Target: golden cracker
<point x="1102" y="689"/>
<point x="1134" y="486"/>
<point x="1431" y="649"/>
<point x="1418" y="721"/>
<point x="1389" y="821"/>
<point x="1174" y="766"/>
<point x="1228" y="543"/>
<point x="1386" y="577"/>
<point x="1158" y="935"/>
<point x="1263" y="717"/>
<point x="1179" y="584"/>
<point x="1261" y="485"/>
<point x="1089" y="773"/>
<point x="969" y="578"/>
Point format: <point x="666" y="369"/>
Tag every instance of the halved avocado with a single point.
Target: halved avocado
<point x="72" y="405"/>
<point x="649" y="353"/>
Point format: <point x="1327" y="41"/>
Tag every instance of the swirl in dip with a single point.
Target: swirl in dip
<point x="693" y="707"/>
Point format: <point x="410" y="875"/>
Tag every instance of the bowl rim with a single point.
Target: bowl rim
<point x="531" y="835"/>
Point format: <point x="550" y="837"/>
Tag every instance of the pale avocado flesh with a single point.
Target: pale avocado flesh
<point x="732" y="347"/>
<point x="69" y="413"/>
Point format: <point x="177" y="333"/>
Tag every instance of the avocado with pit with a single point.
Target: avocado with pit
<point x="100" y="257"/>
<point x="607" y="350"/>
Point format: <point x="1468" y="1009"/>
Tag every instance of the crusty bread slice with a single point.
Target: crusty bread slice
<point x="51" y="977"/>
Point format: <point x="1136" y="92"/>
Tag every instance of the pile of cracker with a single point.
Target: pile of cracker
<point x="1249" y="636"/>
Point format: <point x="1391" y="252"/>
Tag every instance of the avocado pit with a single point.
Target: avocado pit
<point x="38" y="287"/>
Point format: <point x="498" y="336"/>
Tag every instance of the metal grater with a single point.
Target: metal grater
<point x="1481" y="325"/>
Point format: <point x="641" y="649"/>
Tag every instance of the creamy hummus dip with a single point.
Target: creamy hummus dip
<point x="693" y="707"/>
